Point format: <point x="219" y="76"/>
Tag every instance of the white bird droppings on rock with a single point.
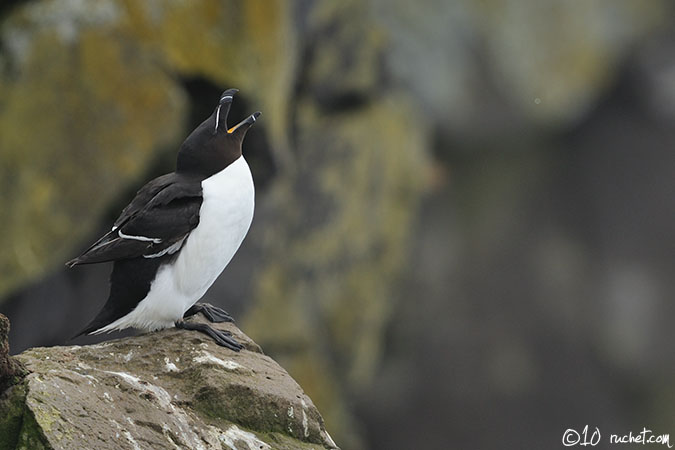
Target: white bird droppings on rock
<point x="182" y="422"/>
<point x="163" y="397"/>
<point x="83" y="366"/>
<point x="234" y="434"/>
<point x="169" y="366"/>
<point x="305" y="423"/>
<point x="131" y="440"/>
<point x="144" y="404"/>
<point x="208" y="358"/>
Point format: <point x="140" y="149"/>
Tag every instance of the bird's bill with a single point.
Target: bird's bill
<point x="223" y="108"/>
<point x="245" y="124"/>
<point x="228" y="95"/>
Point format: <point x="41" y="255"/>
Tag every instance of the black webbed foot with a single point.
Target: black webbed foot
<point x="212" y="313"/>
<point x="223" y="338"/>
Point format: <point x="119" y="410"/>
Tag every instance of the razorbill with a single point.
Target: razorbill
<point x="177" y="235"/>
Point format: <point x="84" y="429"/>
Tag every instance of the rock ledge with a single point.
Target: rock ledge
<point x="172" y="389"/>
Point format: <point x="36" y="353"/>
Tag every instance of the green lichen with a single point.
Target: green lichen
<point x="46" y="417"/>
<point x="12" y="408"/>
<point x="95" y="105"/>
<point x="31" y="436"/>
<point x="235" y="403"/>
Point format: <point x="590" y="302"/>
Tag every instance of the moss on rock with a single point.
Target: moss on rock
<point x="12" y="409"/>
<point x="188" y="392"/>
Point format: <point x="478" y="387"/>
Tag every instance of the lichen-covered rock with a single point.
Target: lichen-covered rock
<point x="91" y="91"/>
<point x="362" y="165"/>
<point x="11" y="370"/>
<point x="351" y="150"/>
<point x="170" y="389"/>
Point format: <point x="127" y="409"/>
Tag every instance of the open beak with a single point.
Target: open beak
<point x="223" y="109"/>
<point x="242" y="127"/>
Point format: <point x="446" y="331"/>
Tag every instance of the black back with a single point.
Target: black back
<point x="151" y="230"/>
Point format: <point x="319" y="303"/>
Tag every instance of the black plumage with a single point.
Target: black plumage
<point x="163" y="212"/>
<point x="153" y="228"/>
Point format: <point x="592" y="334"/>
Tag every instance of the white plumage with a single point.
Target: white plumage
<point x="224" y="219"/>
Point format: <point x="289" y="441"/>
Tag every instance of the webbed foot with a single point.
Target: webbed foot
<point x="212" y="313"/>
<point x="223" y="338"/>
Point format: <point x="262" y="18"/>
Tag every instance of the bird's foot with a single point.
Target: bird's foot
<point x="223" y="338"/>
<point x="212" y="313"/>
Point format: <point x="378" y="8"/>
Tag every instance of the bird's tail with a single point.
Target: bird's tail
<point x="73" y="262"/>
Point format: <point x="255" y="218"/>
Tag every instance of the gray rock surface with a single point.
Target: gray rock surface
<point x="172" y="389"/>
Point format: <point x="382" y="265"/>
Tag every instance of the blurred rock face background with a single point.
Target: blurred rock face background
<point x="464" y="234"/>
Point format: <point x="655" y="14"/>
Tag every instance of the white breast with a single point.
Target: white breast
<point x="224" y="219"/>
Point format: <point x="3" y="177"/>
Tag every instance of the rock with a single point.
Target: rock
<point x="169" y="389"/>
<point x="353" y="154"/>
<point x="11" y="370"/>
<point x="91" y="93"/>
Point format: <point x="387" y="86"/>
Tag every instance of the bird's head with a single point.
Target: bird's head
<point x="213" y="145"/>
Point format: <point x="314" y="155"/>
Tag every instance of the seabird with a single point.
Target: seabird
<point x="177" y="235"/>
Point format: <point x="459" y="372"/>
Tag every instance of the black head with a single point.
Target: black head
<point x="212" y="146"/>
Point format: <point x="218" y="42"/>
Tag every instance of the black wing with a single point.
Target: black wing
<point x="155" y="223"/>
